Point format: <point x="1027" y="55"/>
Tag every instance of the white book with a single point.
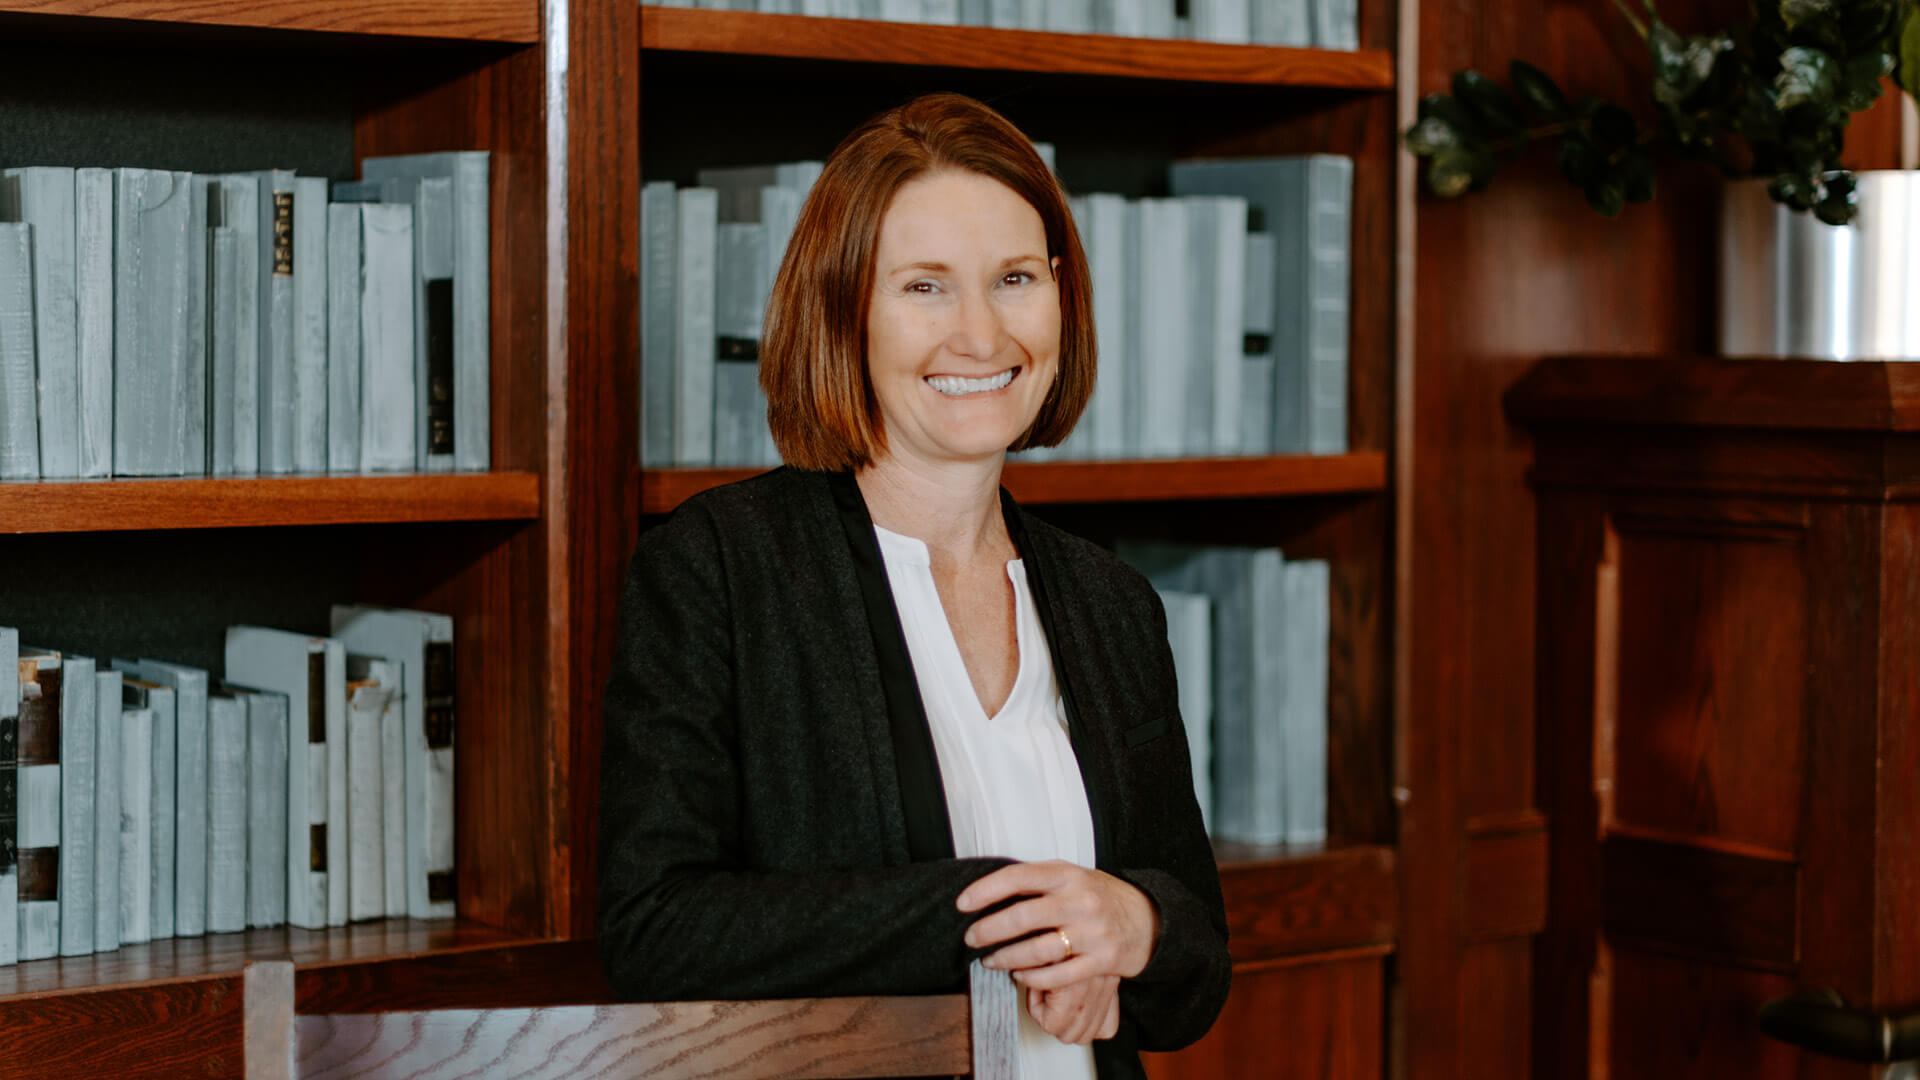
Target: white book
<point x="1158" y="19"/>
<point x="162" y="705"/>
<point x="1329" y="225"/>
<point x="310" y="324"/>
<point x="1280" y="22"/>
<point x="268" y="802"/>
<point x="1190" y="636"/>
<point x="37" y="788"/>
<point x="1164" y="327"/>
<point x="780" y="213"/>
<point x="190" y="687"/>
<point x="372" y="682"/>
<point x="659" y="276"/>
<point x="79" y="757"/>
<point x="739" y="408"/>
<point x="387" y="388"/>
<point x="275" y="271"/>
<point x="422" y="642"/>
<point x="1226" y="307"/>
<point x="19" y="400"/>
<point x="109" y="735"/>
<point x="136" y="826"/>
<point x="1200" y="352"/>
<point x="189" y="408"/>
<point x="312" y="673"/>
<point x="698" y="221"/>
<point x="344" y="271"/>
<point x="1227" y="21"/>
<point x="1336" y="24"/>
<point x="1304" y="658"/>
<point x="1033" y="14"/>
<point x="226" y="869"/>
<point x="393" y="799"/>
<point x="908" y="11"/>
<point x="1071" y="16"/>
<point x="152" y="271"/>
<point x="223" y="329"/>
<point x="9" y="778"/>
<point x="1257" y="370"/>
<point x="1109" y="245"/>
<point x="240" y="211"/>
<point x="43" y="197"/>
<point x="93" y="301"/>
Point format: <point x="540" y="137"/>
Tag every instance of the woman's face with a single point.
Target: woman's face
<point x="963" y="332"/>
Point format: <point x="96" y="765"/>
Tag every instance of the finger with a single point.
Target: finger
<point x="1039" y="951"/>
<point x="1010" y="924"/>
<point x="1011" y="881"/>
<point x="1055" y="976"/>
<point x="1111" y="1026"/>
<point x="1086" y="1020"/>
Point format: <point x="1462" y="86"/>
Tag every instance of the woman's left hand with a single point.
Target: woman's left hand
<point x="1085" y="923"/>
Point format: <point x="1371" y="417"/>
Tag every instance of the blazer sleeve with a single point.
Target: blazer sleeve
<point x="681" y="917"/>
<point x="1178" y="995"/>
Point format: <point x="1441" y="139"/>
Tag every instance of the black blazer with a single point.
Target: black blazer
<point x="772" y="820"/>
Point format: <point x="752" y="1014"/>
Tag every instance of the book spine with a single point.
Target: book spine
<point x="386" y="317"/>
<point x="1281" y="22"/>
<point x="1291" y="315"/>
<point x="1336" y="24"/>
<point x="332" y="691"/>
<point x="1198" y="351"/>
<point x="109" y="728"/>
<point x="1256" y="398"/>
<point x="739" y="305"/>
<point x="659" y="276"/>
<point x="240" y="206"/>
<point x="1267" y="729"/>
<point x="310" y="324"/>
<point x="1164" y="346"/>
<point x="1189" y="635"/>
<point x="268" y="804"/>
<point x="190" y="802"/>
<point x="344" y="272"/>
<point x="472" y="351"/>
<point x="1329" y="224"/>
<point x="307" y="847"/>
<point x="1070" y="16"/>
<point x="1105" y="233"/>
<point x="277" y="241"/>
<point x="94" y="312"/>
<point x="136" y="826"/>
<point x="189" y="406"/>
<point x="44" y="199"/>
<point x="79" y="715"/>
<point x="1307" y="608"/>
<point x="38" y="810"/>
<point x="698" y="222"/>
<point x="19" y="400"/>
<point x="437" y="857"/>
<point x="163" y="760"/>
<point x="226" y="869"/>
<point x="9" y="795"/>
<point x="366" y="793"/>
<point x="224" y="285"/>
<point x="393" y="802"/>
<point x="1228" y="308"/>
<point x="152" y="269"/>
<point x="433" y="367"/>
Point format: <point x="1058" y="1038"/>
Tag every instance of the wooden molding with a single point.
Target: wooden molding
<point x="466" y="20"/>
<point x="1323" y="901"/>
<point x="67" y="506"/>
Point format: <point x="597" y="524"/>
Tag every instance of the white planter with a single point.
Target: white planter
<point x="1793" y="287"/>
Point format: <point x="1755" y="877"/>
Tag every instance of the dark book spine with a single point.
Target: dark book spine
<point x="316" y="738"/>
<point x="9" y="794"/>
<point x="439" y="721"/>
<point x="38" y="744"/>
<point x="283" y="234"/>
<point x="439" y="366"/>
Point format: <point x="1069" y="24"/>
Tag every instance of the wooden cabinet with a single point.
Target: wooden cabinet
<point x="1729" y="721"/>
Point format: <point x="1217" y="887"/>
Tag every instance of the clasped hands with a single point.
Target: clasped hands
<point x="1070" y="941"/>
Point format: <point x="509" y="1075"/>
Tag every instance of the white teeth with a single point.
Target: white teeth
<point x="955" y="386"/>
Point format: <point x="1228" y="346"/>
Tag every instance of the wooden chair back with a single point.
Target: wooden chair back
<point x="972" y="1034"/>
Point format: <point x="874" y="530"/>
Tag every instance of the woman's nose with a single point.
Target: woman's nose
<point x="979" y="331"/>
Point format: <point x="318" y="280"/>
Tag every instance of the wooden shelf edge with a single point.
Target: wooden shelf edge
<point x="1160" y="480"/>
<point x="1303" y="902"/>
<point x="71" y="506"/>
<point x="747" y="33"/>
<point x="503" y="21"/>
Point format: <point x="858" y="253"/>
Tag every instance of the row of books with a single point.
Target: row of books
<point x="161" y="323"/>
<point x="142" y="800"/>
<point x="1250" y="633"/>
<point x="1325" y="24"/>
<point x="1221" y="312"/>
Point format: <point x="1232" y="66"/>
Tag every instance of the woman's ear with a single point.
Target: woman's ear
<point x="1054" y="263"/>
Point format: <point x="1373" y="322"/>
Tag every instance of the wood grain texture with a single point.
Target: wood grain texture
<point x="1506" y="876"/>
<point x="1056" y="483"/>
<point x="167" y="1031"/>
<point x="1305" y="902"/>
<point x="519" y="974"/>
<point x="754" y="34"/>
<point x="467" y="20"/>
<point x="1702" y="391"/>
<point x="1695" y="899"/>
<point x="239" y="502"/>
<point x="1310" y="1020"/>
<point x="993" y="1023"/>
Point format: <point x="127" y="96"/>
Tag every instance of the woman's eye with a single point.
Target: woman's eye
<point x="923" y="287"/>
<point x="1017" y="277"/>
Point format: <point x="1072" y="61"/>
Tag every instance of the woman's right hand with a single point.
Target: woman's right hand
<point x="1080" y="1012"/>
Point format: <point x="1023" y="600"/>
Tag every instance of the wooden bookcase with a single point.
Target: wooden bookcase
<point x="567" y="94"/>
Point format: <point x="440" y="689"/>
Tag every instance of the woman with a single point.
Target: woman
<point x="869" y="719"/>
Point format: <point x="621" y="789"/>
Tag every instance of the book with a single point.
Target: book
<point x="93" y="301"/>
<point x="43" y="197"/>
<point x="344" y="275"/>
<point x="136" y="825"/>
<point x="1257" y="369"/>
<point x="188" y="410"/>
<point x="659" y="312"/>
<point x="468" y="174"/>
<point x="697" y="217"/>
<point x="161" y="704"/>
<point x="19" y="400"/>
<point x="226" y="869"/>
<point x="224" y="282"/>
<point x="1280" y="22"/>
<point x="37" y="805"/>
<point x="908" y="11"/>
<point x="1068" y="16"/>
<point x="371" y="407"/>
<point x="1103" y="221"/>
<point x="152" y="266"/>
<point x="9" y="795"/>
<point x="372" y="683"/>
<point x="268" y="804"/>
<point x="739" y="407"/>
<point x="1165" y="326"/>
<point x="79" y="713"/>
<point x="240" y="212"/>
<point x="1220" y="230"/>
<point x="1336" y="24"/>
<point x="311" y="672"/>
<point x="1190" y="636"/>
<point x="109" y="736"/>
<point x="1306" y="588"/>
<point x="1223" y="20"/>
<point x="275" y="271"/>
<point x="310" y="324"/>
<point x="422" y="643"/>
<point x="190" y="687"/>
<point x="432" y="202"/>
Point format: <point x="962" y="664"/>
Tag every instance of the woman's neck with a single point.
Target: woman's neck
<point x="952" y="507"/>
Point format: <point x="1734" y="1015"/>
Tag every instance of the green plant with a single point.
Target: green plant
<point x="1771" y="98"/>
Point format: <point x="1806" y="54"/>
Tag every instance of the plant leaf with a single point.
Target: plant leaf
<point x="1607" y="195"/>
<point x="1863" y="78"/>
<point x="1840" y="202"/>
<point x="1538" y="90"/>
<point x="1430" y="136"/>
<point x="1456" y="116"/>
<point x="1795" y="12"/>
<point x="1451" y="172"/>
<point x="1492" y="104"/>
<point x="1614" y="125"/>
<point x="1807" y="76"/>
<point x="1682" y="65"/>
<point x="1637" y="176"/>
<point x="1579" y="161"/>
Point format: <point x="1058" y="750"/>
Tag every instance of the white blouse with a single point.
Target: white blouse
<point x="1012" y="783"/>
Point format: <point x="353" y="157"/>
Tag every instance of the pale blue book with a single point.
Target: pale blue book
<point x="1103" y="220"/>
<point x="153" y="291"/>
<point x="694" y="340"/>
<point x="109" y="727"/>
<point x="1263" y="743"/>
<point x="19" y="400"/>
<point x="240" y="211"/>
<point x="310" y="324"/>
<point x="388" y="392"/>
<point x="906" y="11"/>
<point x="659" y="277"/>
<point x="79" y="761"/>
<point x="1070" y="16"/>
<point x="1304" y="658"/>
<point x="469" y="175"/>
<point x="43" y="197"/>
<point x="1190" y="636"/>
<point x="37" y="790"/>
<point x="93" y="299"/>
<point x="223" y="328"/>
<point x="275" y="271"/>
<point x="1222" y="307"/>
<point x="1227" y="21"/>
<point x="372" y="683"/>
<point x="1256" y="399"/>
<point x="1336" y="24"/>
<point x="268" y="799"/>
<point x="343" y="339"/>
<point x="161" y="704"/>
<point x="1281" y="22"/>
<point x="136" y="825"/>
<point x="1166" y="345"/>
<point x="432" y="203"/>
<point x="226" y="870"/>
<point x="9" y="779"/>
<point x="190" y="408"/>
<point x="190" y="788"/>
<point x="739" y="409"/>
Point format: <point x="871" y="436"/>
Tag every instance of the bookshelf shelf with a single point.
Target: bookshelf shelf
<point x="1055" y="483"/>
<point x="1286" y="902"/>
<point x="804" y="37"/>
<point x="239" y="502"/>
<point x="463" y="20"/>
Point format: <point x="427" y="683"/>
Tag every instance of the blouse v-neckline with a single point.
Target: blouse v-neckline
<point x="913" y="551"/>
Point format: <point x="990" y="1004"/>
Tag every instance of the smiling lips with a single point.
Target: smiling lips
<point x="956" y="386"/>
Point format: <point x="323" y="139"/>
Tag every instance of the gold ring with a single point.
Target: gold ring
<point x="1067" y="941"/>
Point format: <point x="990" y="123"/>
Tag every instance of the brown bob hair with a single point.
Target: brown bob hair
<point x="813" y="356"/>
